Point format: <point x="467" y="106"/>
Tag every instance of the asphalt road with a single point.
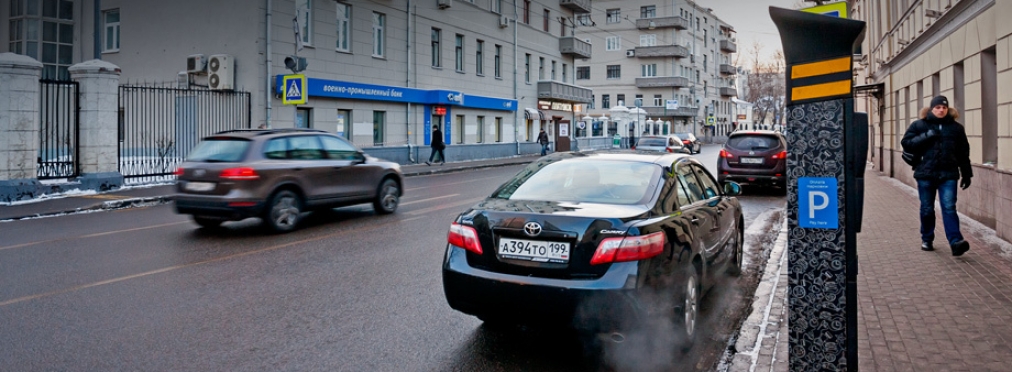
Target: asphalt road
<point x="145" y="289"/>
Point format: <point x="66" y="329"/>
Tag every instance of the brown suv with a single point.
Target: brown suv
<point x="276" y="174"/>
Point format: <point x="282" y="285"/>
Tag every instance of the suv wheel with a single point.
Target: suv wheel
<point x="687" y="316"/>
<point x="207" y="223"/>
<point x="283" y="211"/>
<point x="387" y="197"/>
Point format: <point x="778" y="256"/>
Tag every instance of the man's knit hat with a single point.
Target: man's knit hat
<point x="940" y="100"/>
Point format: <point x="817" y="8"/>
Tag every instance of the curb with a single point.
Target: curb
<point x="451" y="169"/>
<point x="758" y="341"/>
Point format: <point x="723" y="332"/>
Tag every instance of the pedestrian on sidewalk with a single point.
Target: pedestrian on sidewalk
<point x="942" y="157"/>
<point x="437" y="146"/>
<point x="543" y="140"/>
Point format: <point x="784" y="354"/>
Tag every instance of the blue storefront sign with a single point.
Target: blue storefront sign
<point x="818" y="203"/>
<point x="323" y="88"/>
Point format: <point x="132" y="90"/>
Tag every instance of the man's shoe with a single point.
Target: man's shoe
<point x="427" y="163"/>
<point x="926" y="246"/>
<point x="960" y="247"/>
<point x="441" y="163"/>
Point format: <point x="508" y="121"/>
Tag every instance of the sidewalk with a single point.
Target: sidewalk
<point x="155" y="194"/>
<point x="917" y="311"/>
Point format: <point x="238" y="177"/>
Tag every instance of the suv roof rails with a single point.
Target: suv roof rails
<point x="272" y="130"/>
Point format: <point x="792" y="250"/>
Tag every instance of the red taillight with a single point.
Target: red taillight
<point x="243" y="173"/>
<point x="242" y="204"/>
<point x="629" y="248"/>
<point x="685" y="142"/>
<point x="781" y="155"/>
<point x="670" y="149"/>
<point x="464" y="236"/>
<point x="632" y="147"/>
<point x="179" y="172"/>
<point x="725" y="154"/>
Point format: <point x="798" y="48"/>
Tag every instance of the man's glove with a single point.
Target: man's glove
<point x="931" y="133"/>
<point x="964" y="183"/>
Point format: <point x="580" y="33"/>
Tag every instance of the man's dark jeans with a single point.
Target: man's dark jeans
<point x="544" y="149"/>
<point x="946" y="190"/>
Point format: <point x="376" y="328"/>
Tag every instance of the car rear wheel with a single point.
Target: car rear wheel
<point x="388" y="197"/>
<point x="207" y="223"/>
<point x="739" y="252"/>
<point x="283" y="212"/>
<point x="687" y="316"/>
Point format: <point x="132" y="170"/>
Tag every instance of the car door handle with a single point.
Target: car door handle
<point x="296" y="169"/>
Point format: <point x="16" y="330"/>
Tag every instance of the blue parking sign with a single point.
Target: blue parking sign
<point x="818" y="203"/>
<point x="294" y="92"/>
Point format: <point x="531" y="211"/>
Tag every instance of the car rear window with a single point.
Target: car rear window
<point x="607" y="182"/>
<point x="653" y="141"/>
<point x="228" y="150"/>
<point x="753" y="142"/>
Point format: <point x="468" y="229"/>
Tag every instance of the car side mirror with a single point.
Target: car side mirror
<point x="359" y="158"/>
<point x="732" y="188"/>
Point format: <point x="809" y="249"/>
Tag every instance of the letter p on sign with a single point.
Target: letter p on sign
<point x="818" y="204"/>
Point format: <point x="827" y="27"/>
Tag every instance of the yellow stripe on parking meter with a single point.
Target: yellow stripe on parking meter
<point x="821" y="79"/>
<point x="820" y="68"/>
<point x="836" y="88"/>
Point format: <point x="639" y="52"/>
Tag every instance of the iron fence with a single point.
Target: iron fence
<point x="159" y="126"/>
<point x="58" y="129"/>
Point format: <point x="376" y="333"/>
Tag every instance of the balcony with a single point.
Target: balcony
<point x="577" y="6"/>
<point x="570" y="45"/>
<point x="726" y="69"/>
<point x="662" y="82"/>
<point x="562" y="92"/>
<point x="729" y="46"/>
<point x="677" y="22"/>
<point x="728" y="92"/>
<point x="676" y="51"/>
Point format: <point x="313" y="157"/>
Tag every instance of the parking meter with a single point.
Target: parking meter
<point x="826" y="147"/>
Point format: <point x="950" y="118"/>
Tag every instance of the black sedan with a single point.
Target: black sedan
<point x="610" y="241"/>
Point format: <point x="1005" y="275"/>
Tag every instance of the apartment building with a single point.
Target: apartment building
<point x="380" y="73"/>
<point x="917" y="49"/>
<point x="672" y="59"/>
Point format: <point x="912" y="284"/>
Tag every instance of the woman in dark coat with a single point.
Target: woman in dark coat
<point x="942" y="155"/>
<point x="437" y="146"/>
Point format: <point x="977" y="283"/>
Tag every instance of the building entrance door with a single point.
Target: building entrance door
<point x="562" y="133"/>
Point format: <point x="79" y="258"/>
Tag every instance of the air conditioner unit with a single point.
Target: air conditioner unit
<point x="443" y="4"/>
<point x="221" y="72"/>
<point x="504" y="21"/>
<point x="630" y="53"/>
<point x="195" y="63"/>
<point x="183" y="80"/>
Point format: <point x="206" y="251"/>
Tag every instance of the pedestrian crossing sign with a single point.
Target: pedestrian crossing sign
<point x="294" y="92"/>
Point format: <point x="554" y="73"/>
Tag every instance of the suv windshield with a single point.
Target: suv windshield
<point x="653" y="141"/>
<point x="211" y="150"/>
<point x="753" y="142"/>
<point x="583" y="181"/>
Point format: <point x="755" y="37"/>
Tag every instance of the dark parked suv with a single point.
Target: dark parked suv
<point x="276" y="174"/>
<point x="754" y="158"/>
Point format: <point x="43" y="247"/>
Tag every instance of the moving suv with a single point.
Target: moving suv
<point x="754" y="158"/>
<point x="276" y="174"/>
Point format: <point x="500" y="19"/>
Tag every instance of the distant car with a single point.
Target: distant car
<point x="690" y="141"/>
<point x="754" y="158"/>
<point x="276" y="174"/>
<point x="607" y="241"/>
<point x="669" y="143"/>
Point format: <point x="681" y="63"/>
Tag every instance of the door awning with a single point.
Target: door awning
<point x="533" y="114"/>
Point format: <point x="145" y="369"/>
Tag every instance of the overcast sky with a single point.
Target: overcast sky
<point x="751" y="20"/>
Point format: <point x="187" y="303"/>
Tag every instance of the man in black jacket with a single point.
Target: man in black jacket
<point x="940" y="144"/>
<point x="437" y="146"/>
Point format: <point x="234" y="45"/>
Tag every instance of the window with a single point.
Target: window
<point x="496" y="6"/>
<point x="304" y="8"/>
<point x="605" y="101"/>
<point x="527" y="68"/>
<point x="613" y="16"/>
<point x="498" y="61"/>
<point x="614" y="72"/>
<point x="620" y="99"/>
<point x="612" y="43"/>
<point x="336" y="148"/>
<point x="548" y="16"/>
<point x="649" y="11"/>
<point x="458" y="132"/>
<point x="481" y="129"/>
<point x="343" y="27"/>
<point x="459" y="53"/>
<point x="303" y="119"/>
<point x="527" y="12"/>
<point x="344" y="123"/>
<point x="583" y="19"/>
<point x="436" y="57"/>
<point x="479" y="58"/>
<point x="658" y="101"/>
<point x="648" y="40"/>
<point x="705" y="64"/>
<point x="553" y="70"/>
<point x="378" y="34"/>
<point x="45" y="33"/>
<point x="541" y="68"/>
<point x="706" y="43"/>
<point x="649" y="70"/>
<point x="498" y="129"/>
<point x="591" y="104"/>
<point x="565" y="72"/>
<point x="583" y="73"/>
<point x="638" y="101"/>
<point x="378" y="127"/>
<point x="111" y="19"/>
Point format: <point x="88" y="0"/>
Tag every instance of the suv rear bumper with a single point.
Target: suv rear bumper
<point x="224" y="210"/>
<point x="762" y="180"/>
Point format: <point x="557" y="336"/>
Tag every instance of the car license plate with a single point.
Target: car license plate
<point x="199" y="186"/>
<point x="751" y="160"/>
<point x="537" y="251"/>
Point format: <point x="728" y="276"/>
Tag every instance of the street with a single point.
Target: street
<point x="145" y="289"/>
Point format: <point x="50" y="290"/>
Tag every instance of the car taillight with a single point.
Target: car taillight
<point x="686" y="142"/>
<point x="464" y="236"/>
<point x="725" y="154"/>
<point x="632" y="147"/>
<point x="178" y="172"/>
<point x="629" y="248"/>
<point x="670" y="149"/>
<point x="242" y="173"/>
<point x="781" y="155"/>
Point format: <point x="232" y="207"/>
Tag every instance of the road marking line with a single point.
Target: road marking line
<point x="454" y="183"/>
<point x="444" y="206"/>
<point x="104" y="196"/>
<point x="176" y="267"/>
<point x="429" y="199"/>
<point x="93" y="235"/>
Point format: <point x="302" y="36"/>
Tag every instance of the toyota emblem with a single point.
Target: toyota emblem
<point x="532" y="228"/>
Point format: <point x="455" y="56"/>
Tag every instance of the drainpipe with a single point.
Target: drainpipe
<point x="516" y="61"/>
<point x="267" y="66"/>
<point x="98" y="28"/>
<point x="407" y="83"/>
